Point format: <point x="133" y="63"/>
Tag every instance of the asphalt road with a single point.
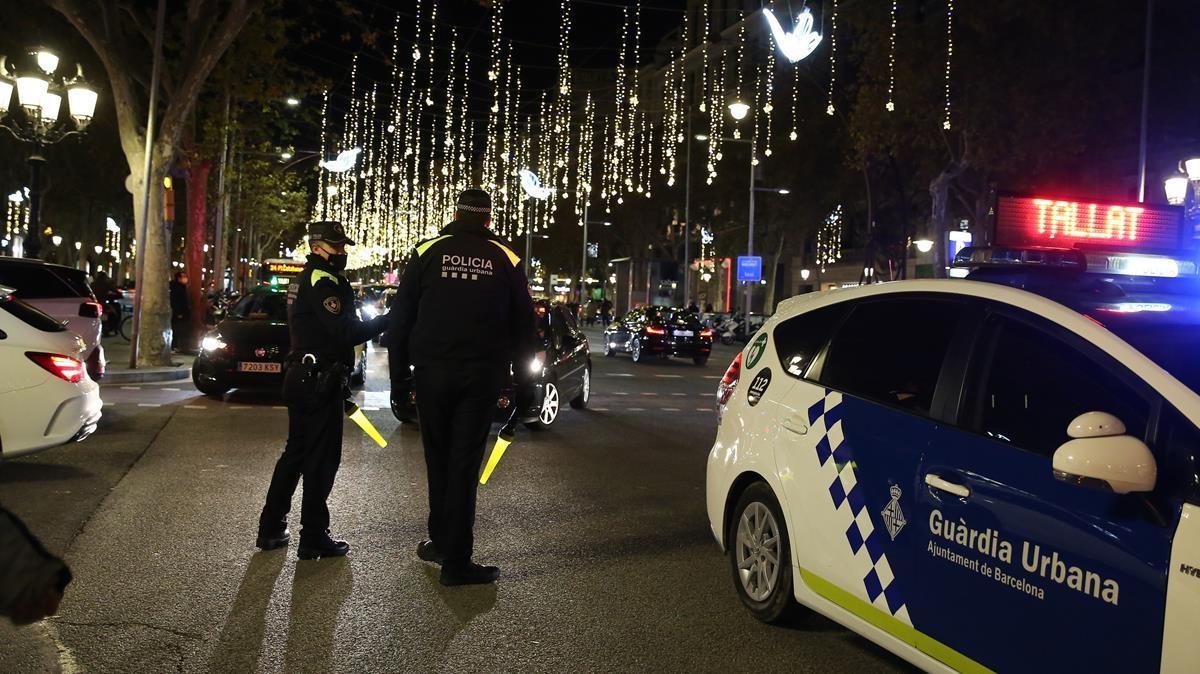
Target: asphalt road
<point x="598" y="525"/>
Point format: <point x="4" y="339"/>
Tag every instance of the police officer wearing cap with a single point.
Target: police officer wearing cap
<point x="461" y="316"/>
<point x="324" y="329"/>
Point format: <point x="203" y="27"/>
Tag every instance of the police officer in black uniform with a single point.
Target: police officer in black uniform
<point x="324" y="330"/>
<point x="461" y="316"/>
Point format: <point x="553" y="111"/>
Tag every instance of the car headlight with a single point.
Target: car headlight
<point x="536" y="365"/>
<point x="212" y="343"/>
<point x="370" y="310"/>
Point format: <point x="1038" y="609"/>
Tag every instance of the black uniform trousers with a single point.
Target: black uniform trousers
<point x="456" y="404"/>
<point x="314" y="452"/>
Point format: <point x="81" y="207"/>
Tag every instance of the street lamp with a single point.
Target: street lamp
<point x="923" y="245"/>
<point x="739" y="110"/>
<point x="33" y="116"/>
<point x="1176" y="188"/>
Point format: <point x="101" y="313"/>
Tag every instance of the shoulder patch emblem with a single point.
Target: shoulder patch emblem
<point x="333" y="305"/>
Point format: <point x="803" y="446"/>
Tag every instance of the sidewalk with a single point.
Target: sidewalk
<point x="116" y="352"/>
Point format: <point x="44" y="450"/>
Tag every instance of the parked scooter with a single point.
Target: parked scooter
<point x="732" y="329"/>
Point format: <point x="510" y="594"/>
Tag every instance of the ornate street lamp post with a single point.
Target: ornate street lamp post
<point x="31" y="109"/>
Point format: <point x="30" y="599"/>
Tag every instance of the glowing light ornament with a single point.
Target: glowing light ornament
<point x="829" y="239"/>
<point x="949" y="54"/>
<point x="800" y="42"/>
<point x="344" y="161"/>
<point x="703" y="55"/>
<point x="891" y="104"/>
<point x="533" y="186"/>
<point x="829" y="109"/>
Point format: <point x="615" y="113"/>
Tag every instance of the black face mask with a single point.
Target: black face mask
<point x="338" y="262"/>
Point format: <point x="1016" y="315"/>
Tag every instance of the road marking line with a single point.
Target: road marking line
<point x="169" y="389"/>
<point x="703" y="409"/>
<point x="671" y="409"/>
<point x="370" y="409"/>
<point x="241" y="407"/>
<point x="599" y="409"/>
<point x="620" y="393"/>
<point x="711" y="376"/>
<point x="617" y="374"/>
<point x="648" y="393"/>
<point x="669" y="376"/>
<point x="149" y="405"/>
<point x="195" y="407"/>
<point x="636" y="409"/>
<point x="109" y="404"/>
<point x="278" y="407"/>
<point x="131" y="388"/>
<point x="678" y="394"/>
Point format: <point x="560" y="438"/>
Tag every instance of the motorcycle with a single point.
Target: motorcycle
<point x="732" y="329"/>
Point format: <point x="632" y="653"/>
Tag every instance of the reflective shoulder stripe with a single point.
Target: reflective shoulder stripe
<point x="425" y="246"/>
<point x="512" y="257"/>
<point x="320" y="274"/>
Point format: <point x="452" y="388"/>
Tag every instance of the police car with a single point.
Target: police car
<point x="997" y="473"/>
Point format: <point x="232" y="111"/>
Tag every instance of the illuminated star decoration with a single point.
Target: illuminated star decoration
<point x="799" y="43"/>
<point x="344" y="162"/>
<point x="533" y="186"/>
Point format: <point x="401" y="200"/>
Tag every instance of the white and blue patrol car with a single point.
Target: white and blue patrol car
<point x="975" y="475"/>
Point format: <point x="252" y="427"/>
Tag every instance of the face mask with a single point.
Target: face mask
<point x="338" y="262"/>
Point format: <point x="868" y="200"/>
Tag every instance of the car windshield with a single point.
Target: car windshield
<point x="261" y="307"/>
<point x="1171" y="346"/>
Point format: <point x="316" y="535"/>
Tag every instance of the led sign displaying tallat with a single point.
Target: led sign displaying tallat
<point x="1050" y="221"/>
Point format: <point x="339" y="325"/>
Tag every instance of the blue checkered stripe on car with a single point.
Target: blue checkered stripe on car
<point x="825" y="419"/>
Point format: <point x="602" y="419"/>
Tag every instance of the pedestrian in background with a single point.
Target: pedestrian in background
<point x="180" y="311"/>
<point x="461" y="317"/>
<point x="31" y="580"/>
<point x="324" y="329"/>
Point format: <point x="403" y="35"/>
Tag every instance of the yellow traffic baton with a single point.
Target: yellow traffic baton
<point x="356" y="415"/>
<point x="503" y="440"/>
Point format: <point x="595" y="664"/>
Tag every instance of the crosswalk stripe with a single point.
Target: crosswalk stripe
<point x="670" y="409"/>
<point x="170" y="389"/>
<point x="599" y="409"/>
<point x="617" y="374"/>
<point x="149" y="405"/>
<point x="371" y="409"/>
<point x="130" y="388"/>
<point x="669" y="376"/>
<point x="195" y="407"/>
<point x="678" y="394"/>
<point x="703" y="409"/>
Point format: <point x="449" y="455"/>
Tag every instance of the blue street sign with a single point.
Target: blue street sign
<point x="749" y="268"/>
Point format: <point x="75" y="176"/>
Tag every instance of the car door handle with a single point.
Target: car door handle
<point x="795" y="425"/>
<point x="936" y="481"/>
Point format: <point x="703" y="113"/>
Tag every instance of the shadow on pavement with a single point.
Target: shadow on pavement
<point x="12" y="472"/>
<point x="318" y="592"/>
<point x="241" y="639"/>
<point x="466" y="602"/>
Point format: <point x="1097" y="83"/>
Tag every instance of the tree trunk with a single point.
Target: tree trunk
<point x="197" y="236"/>
<point x="939" y="192"/>
<point x="154" y="328"/>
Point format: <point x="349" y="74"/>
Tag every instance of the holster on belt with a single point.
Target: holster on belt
<point x="309" y="380"/>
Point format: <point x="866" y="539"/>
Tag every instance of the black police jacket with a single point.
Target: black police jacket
<point x="321" y="315"/>
<point x="463" y="299"/>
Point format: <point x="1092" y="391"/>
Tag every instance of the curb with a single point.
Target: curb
<point x="143" y="376"/>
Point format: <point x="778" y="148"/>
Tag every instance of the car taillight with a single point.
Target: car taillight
<point x="707" y="333"/>
<point x="91" y="309"/>
<point x="729" y="381"/>
<point x="655" y="330"/>
<point x="63" y="367"/>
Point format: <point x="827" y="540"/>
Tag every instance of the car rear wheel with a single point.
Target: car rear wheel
<point x="550" y="407"/>
<point x="635" y="350"/>
<point x="760" y="556"/>
<point x="585" y="392"/>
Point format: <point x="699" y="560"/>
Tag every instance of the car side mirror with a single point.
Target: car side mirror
<point x="1102" y="456"/>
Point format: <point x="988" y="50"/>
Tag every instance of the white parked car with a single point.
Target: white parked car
<point x="61" y="292"/>
<point x="46" y="396"/>
<point x="974" y="476"/>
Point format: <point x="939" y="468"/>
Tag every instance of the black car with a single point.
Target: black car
<point x="247" y="348"/>
<point x="565" y="375"/>
<point x="659" y="331"/>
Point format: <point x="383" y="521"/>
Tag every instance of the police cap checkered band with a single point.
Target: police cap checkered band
<point x="475" y="209"/>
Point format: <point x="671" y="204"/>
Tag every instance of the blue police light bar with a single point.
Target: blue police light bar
<point x="1008" y="257"/>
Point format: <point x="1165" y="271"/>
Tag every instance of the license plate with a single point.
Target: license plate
<point x="259" y="367"/>
<point x="684" y="333"/>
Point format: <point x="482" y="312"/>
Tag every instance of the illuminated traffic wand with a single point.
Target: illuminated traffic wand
<point x="356" y="415"/>
<point x="503" y="440"/>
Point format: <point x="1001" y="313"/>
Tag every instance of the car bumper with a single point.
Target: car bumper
<point x="72" y="419"/>
<point x="672" y="348"/>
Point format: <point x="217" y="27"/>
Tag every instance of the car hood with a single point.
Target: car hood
<point x="244" y="332"/>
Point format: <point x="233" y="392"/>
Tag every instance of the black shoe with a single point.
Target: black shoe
<point x="271" y="540"/>
<point x="428" y="552"/>
<point x="468" y="574"/>
<point x="322" y="547"/>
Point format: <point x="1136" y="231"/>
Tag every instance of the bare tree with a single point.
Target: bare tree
<point x="122" y="34"/>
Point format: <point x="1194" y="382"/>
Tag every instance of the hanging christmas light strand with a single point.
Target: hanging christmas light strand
<point x="949" y="55"/>
<point x="829" y="109"/>
<point x="891" y="103"/>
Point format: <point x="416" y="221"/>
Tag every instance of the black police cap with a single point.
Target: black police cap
<point x="474" y="201"/>
<point x="329" y="231"/>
